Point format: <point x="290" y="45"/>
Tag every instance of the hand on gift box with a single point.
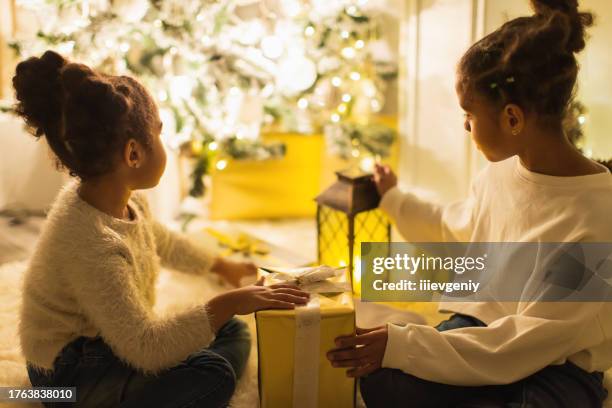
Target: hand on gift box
<point x="384" y="178"/>
<point x="363" y="352"/>
<point x="252" y="298"/>
<point x="233" y="271"/>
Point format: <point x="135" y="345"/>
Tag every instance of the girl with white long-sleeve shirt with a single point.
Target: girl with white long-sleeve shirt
<point x="515" y="86"/>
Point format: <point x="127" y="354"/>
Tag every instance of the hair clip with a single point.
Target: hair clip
<point x="510" y="80"/>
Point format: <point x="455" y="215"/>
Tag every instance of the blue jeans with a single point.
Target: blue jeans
<point x="206" y="378"/>
<point x="555" y="386"/>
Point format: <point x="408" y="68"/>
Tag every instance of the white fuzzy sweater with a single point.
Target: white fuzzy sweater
<point x="94" y="274"/>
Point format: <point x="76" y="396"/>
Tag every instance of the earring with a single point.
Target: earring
<point x="515" y="132"/>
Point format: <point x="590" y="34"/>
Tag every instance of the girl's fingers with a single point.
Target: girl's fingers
<point x="285" y="297"/>
<point x="363" y="370"/>
<point x="364" y="331"/>
<point x="278" y="304"/>
<point x="260" y="281"/>
<point x="292" y="291"/>
<point x="283" y="285"/>
<point x="352" y="363"/>
<point x="352" y="353"/>
<point x="357" y="340"/>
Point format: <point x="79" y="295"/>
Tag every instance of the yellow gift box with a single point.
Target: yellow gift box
<point x="275" y="188"/>
<point x="282" y="367"/>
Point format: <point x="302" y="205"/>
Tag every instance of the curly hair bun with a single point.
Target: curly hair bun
<point x="565" y="15"/>
<point x="85" y="116"/>
<point x="39" y="92"/>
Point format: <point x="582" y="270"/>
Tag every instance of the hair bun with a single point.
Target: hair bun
<point x="575" y="22"/>
<point x="38" y="91"/>
<point x="547" y="6"/>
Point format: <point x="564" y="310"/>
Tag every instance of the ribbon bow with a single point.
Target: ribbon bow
<point x="316" y="279"/>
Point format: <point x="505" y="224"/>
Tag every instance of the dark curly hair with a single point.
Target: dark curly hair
<point x="86" y="117"/>
<point x="530" y="61"/>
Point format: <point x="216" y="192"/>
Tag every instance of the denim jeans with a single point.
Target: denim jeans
<point x="555" y="386"/>
<point x="206" y="378"/>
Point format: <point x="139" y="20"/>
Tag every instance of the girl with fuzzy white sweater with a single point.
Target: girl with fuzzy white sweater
<point x="87" y="314"/>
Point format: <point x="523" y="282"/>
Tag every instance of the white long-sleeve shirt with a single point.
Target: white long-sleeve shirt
<point x="507" y="203"/>
<point x="94" y="274"/>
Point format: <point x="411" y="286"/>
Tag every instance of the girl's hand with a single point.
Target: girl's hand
<point x="252" y="298"/>
<point x="233" y="271"/>
<point x="362" y="352"/>
<point x="384" y="178"/>
<point x="257" y="297"/>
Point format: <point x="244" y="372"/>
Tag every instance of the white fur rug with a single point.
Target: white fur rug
<point x="174" y="291"/>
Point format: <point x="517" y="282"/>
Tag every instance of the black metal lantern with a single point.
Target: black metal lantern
<point x="347" y="215"/>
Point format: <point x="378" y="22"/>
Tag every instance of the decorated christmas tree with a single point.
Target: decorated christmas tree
<point x="223" y="70"/>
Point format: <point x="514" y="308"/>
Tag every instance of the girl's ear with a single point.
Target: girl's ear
<point x="133" y="154"/>
<point x="513" y="119"/>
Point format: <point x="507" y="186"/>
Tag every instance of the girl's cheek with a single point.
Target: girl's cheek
<point x="162" y="158"/>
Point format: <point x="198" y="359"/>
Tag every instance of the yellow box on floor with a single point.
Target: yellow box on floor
<point x="278" y="367"/>
<point x="276" y="188"/>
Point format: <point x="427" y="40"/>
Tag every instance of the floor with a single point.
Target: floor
<point x="18" y="234"/>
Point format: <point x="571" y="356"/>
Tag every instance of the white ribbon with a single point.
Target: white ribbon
<point x="306" y="355"/>
<point x="312" y="279"/>
<point x="308" y="326"/>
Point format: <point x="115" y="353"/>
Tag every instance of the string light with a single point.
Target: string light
<point x="302" y="103"/>
<point x="348" y="52"/>
<point x="335" y="118"/>
<point x="212" y="146"/>
<point x="336" y="81"/>
<point x="346" y="97"/>
<point x="359" y="44"/>
<point x="367" y="164"/>
<point x="582" y="119"/>
<point x="196" y="147"/>
<point x="375" y="104"/>
<point x="221" y="164"/>
<point x="309" y="31"/>
<point x="355" y="76"/>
